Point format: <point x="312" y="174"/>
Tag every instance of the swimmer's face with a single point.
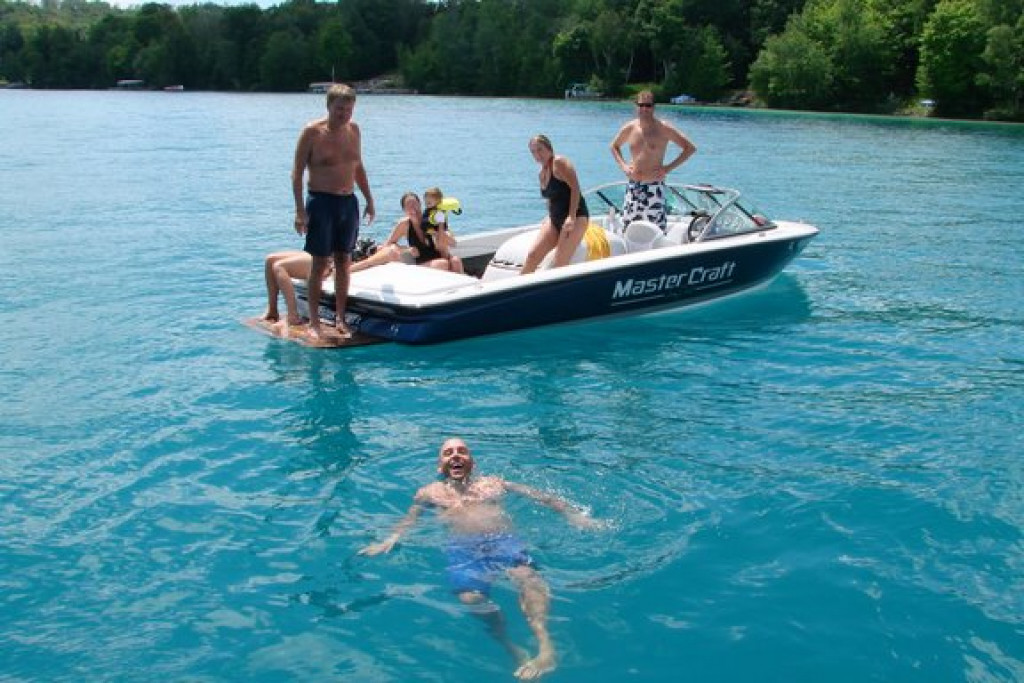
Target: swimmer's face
<point x="432" y="200"/>
<point x="454" y="461"/>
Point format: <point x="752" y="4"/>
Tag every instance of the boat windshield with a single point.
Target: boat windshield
<point x="725" y="212"/>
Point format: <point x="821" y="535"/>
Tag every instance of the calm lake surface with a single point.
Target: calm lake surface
<point x="818" y="481"/>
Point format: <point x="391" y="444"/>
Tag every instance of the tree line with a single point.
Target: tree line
<point x="966" y="57"/>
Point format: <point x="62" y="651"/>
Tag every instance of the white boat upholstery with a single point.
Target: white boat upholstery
<point x="511" y="255"/>
<point x="677" y="231"/>
<point x="643" y="235"/>
<point x="400" y="279"/>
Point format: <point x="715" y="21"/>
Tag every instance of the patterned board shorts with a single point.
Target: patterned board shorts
<point x="645" y="201"/>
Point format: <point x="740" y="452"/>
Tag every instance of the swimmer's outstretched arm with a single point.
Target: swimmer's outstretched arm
<point x="403" y="525"/>
<point x="574" y="515"/>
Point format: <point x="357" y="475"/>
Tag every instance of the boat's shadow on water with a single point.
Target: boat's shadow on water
<point x="542" y="367"/>
<point x="392" y="384"/>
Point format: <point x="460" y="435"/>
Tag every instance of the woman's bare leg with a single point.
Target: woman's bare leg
<point x="546" y="240"/>
<point x="283" y="275"/>
<point x="569" y="240"/>
<point x="386" y="254"/>
<point x="271" y="314"/>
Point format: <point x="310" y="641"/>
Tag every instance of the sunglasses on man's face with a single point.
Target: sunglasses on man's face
<point x="645" y="105"/>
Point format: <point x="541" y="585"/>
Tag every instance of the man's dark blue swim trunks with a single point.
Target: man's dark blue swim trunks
<point x="333" y="223"/>
<point x="475" y="562"/>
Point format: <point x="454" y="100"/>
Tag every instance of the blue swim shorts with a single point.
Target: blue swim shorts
<point x="333" y="223"/>
<point x="475" y="562"/>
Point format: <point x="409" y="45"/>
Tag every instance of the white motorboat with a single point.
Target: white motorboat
<point x="716" y="245"/>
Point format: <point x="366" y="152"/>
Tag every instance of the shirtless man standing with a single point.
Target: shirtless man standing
<point x="330" y="149"/>
<point x="482" y="545"/>
<point x="648" y="140"/>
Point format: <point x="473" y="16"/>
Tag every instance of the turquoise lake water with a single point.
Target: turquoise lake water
<point x="818" y="481"/>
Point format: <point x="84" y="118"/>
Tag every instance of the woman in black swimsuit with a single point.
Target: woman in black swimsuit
<point x="421" y="249"/>
<point x="567" y="218"/>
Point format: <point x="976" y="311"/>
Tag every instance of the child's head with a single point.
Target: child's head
<point x="433" y="197"/>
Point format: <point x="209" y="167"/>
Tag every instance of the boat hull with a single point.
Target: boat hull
<point x="675" y="279"/>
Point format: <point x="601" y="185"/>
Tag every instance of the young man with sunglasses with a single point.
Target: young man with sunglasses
<point x="648" y="138"/>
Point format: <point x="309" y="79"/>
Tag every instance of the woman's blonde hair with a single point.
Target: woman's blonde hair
<point x="541" y="139"/>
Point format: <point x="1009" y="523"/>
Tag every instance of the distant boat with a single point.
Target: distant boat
<point x="320" y="86"/>
<point x="174" y="88"/>
<point x="581" y="91"/>
<point x="130" y="84"/>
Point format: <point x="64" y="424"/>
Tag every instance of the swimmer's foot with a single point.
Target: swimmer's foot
<point x="520" y="654"/>
<point x="534" y="668"/>
<point x="295" y="320"/>
<point x="270" y="316"/>
<point x="343" y="331"/>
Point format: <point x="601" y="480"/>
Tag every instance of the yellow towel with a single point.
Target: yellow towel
<point x="597" y="243"/>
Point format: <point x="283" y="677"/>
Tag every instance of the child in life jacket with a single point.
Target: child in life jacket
<point x="435" y="225"/>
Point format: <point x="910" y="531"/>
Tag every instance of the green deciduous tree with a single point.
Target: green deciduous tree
<point x="284" y="64"/>
<point x="793" y="71"/>
<point x="769" y="17"/>
<point x="495" y="47"/>
<point x="952" y="44"/>
<point x="12" y="44"/>
<point x="710" y="71"/>
<point x="855" y="37"/>
<point x="841" y="54"/>
<point x="1003" y="74"/>
<point x="334" y="49"/>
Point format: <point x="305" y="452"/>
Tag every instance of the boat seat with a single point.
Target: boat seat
<point x="644" y="235"/>
<point x="510" y="256"/>
<point x="396" y="280"/>
<point x="677" y="232"/>
<point x="612" y="222"/>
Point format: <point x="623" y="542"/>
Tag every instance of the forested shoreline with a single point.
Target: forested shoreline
<point x="965" y="57"/>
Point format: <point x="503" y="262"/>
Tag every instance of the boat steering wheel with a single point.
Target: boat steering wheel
<point x="697" y="225"/>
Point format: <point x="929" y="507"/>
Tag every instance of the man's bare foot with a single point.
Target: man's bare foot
<point x="295" y="320"/>
<point x="535" y="668"/>
<point x="270" y="316"/>
<point x="343" y="331"/>
<point x="314" y="336"/>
